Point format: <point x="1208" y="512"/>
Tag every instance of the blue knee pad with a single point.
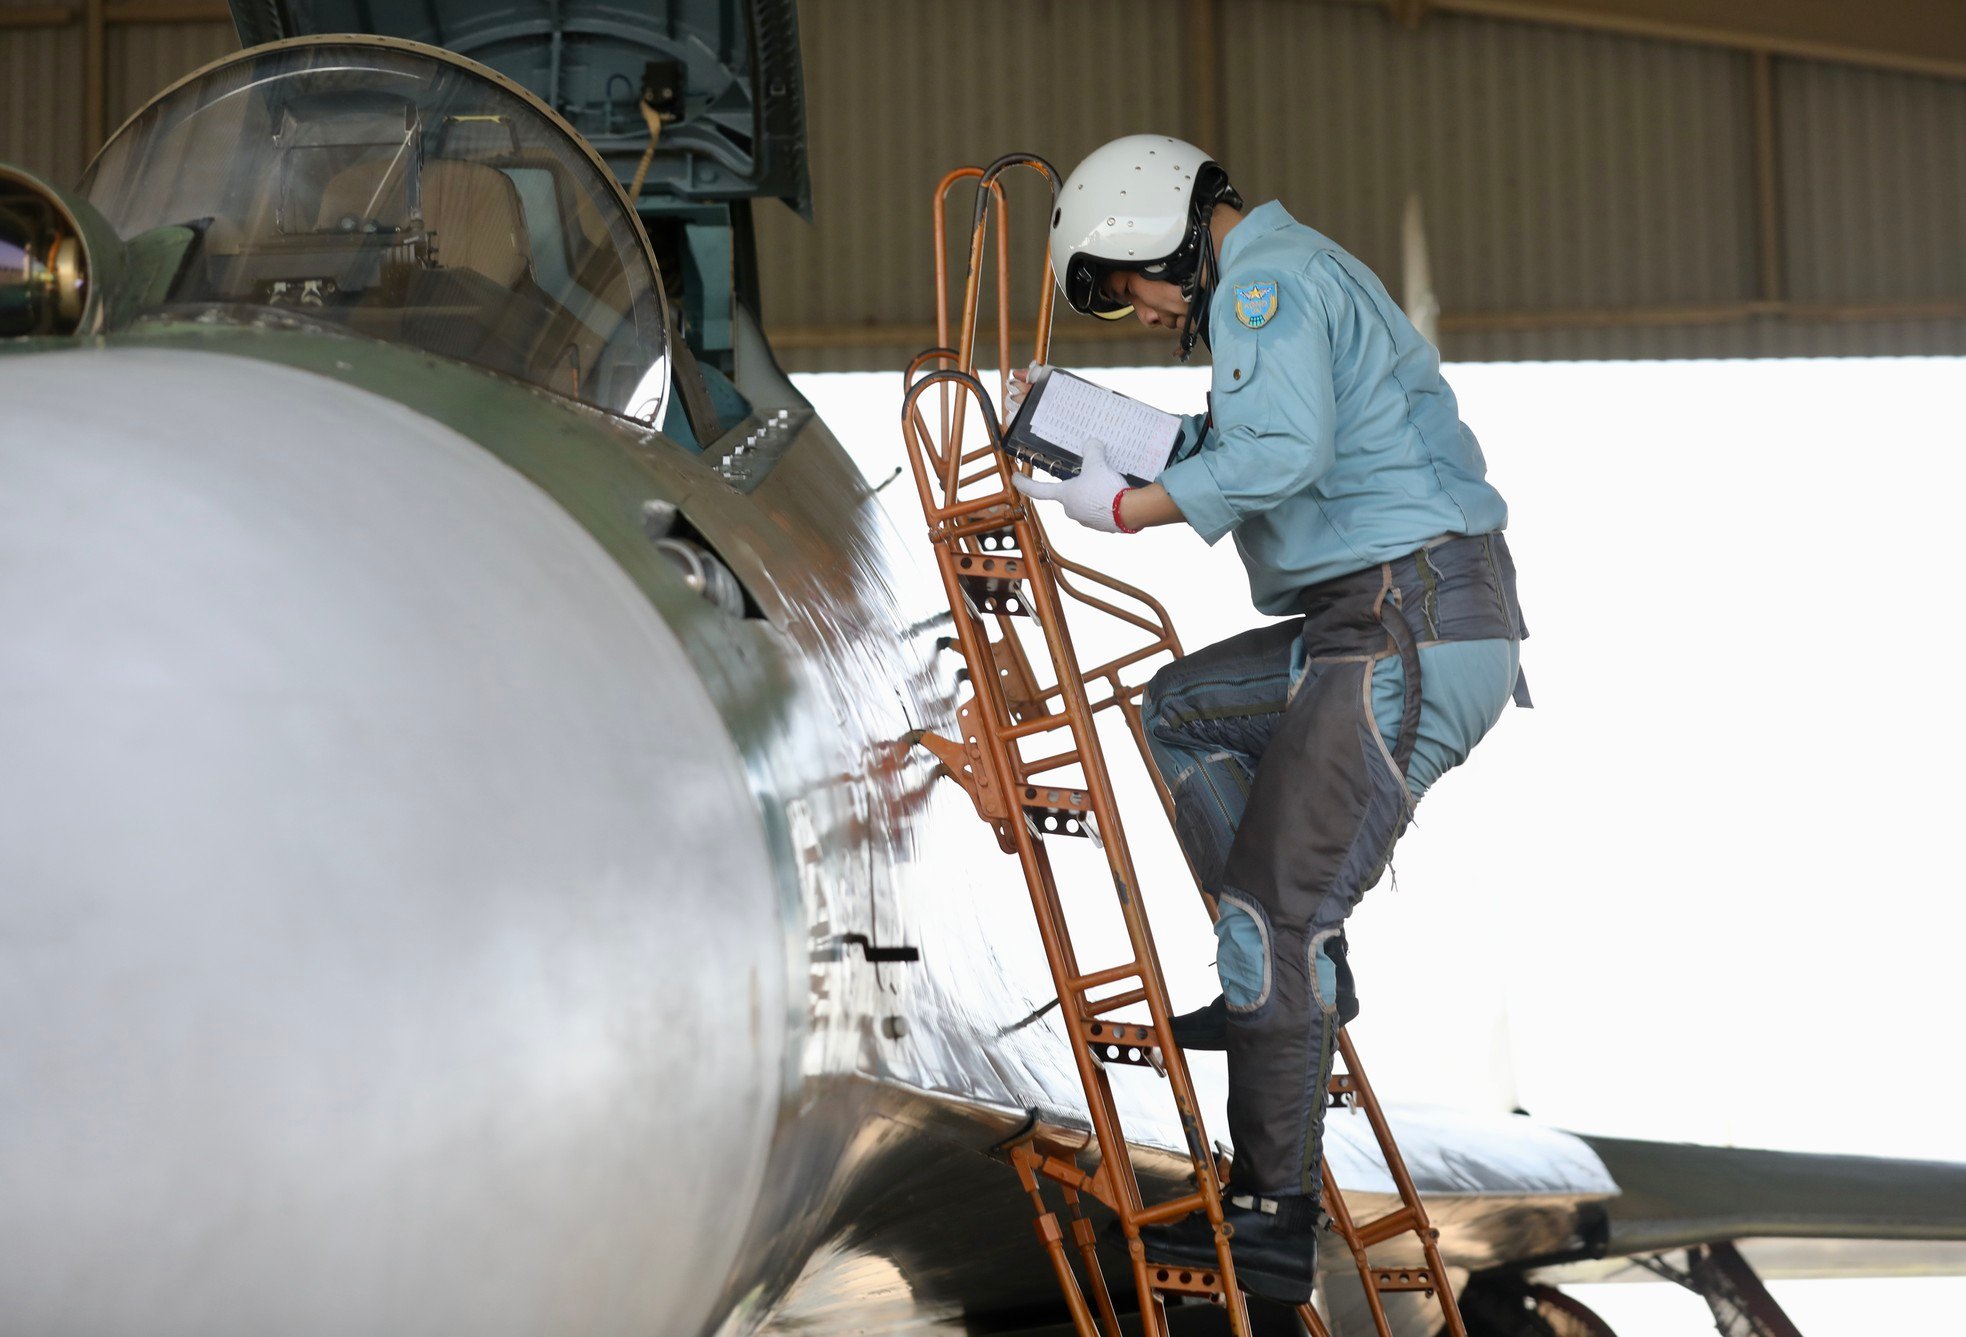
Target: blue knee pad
<point x="1242" y="953"/>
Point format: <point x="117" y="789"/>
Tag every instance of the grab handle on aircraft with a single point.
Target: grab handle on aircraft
<point x="880" y="955"/>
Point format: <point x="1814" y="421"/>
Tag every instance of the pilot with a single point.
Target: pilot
<point x="1335" y="454"/>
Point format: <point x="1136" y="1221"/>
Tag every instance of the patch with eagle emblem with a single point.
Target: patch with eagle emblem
<point x="1256" y="303"/>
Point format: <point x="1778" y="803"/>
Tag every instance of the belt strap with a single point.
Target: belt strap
<point x="1394" y="621"/>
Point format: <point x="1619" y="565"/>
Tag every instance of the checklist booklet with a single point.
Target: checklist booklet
<point x="1062" y="412"/>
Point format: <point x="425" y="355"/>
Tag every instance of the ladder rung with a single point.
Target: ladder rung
<point x="1116" y="1002"/>
<point x="980" y="518"/>
<point x="977" y="515"/>
<point x="1037" y="724"/>
<point x="1394" y="1223"/>
<point x="1052" y="762"/>
<point x="1099" y="977"/>
<point x="1169" y="1211"/>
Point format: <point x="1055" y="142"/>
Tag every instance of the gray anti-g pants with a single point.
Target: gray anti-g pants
<point x="1349" y="729"/>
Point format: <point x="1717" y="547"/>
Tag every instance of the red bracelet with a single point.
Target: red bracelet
<point x="1118" y="523"/>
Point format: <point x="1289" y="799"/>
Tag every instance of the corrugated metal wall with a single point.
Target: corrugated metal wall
<point x="898" y="93"/>
<point x="42" y="81"/>
<point x="1875" y="183"/>
<point x="1872" y="190"/>
<point x="1554" y="168"/>
<point x="40" y="120"/>
<point x="1560" y="172"/>
<point x="144" y="58"/>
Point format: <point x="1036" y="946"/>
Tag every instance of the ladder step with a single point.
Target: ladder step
<point x="1002" y="566"/>
<point x="994" y="594"/>
<point x="1057" y="821"/>
<point x="1184" y="1280"/>
<point x="993" y="584"/>
<point x="1058" y="812"/>
<point x="1403" y="1279"/>
<point x="1121" y="1042"/>
<point x="1120" y="1033"/>
<point x="1057" y="800"/>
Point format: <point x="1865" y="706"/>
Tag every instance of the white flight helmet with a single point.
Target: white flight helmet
<point x="1142" y="203"/>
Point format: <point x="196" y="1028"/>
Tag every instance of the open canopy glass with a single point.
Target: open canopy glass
<point x="400" y="192"/>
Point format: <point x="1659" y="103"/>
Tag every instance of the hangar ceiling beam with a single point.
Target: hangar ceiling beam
<point x="1918" y="36"/>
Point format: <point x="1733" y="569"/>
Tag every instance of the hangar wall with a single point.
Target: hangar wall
<point x="1584" y="194"/>
<point x="57" y="104"/>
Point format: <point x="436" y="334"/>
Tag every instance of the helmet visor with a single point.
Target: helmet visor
<point x="1085" y="289"/>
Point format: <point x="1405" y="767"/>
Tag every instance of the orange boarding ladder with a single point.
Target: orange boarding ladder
<point x="1031" y="760"/>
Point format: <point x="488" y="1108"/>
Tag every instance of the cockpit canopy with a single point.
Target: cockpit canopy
<point x="403" y="193"/>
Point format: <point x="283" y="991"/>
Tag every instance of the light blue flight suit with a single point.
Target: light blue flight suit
<point x="1336" y="456"/>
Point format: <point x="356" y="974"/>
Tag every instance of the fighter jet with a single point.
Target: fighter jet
<point x="464" y="864"/>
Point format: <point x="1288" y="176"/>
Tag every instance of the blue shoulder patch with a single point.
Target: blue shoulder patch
<point x="1256" y="303"/>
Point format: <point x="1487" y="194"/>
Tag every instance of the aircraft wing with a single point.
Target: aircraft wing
<point x="1796" y="1214"/>
<point x="949" y="1237"/>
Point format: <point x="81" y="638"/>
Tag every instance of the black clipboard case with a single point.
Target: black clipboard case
<point x="1054" y="456"/>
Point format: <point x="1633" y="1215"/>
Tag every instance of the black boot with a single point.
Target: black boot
<point x="1203" y="1028"/>
<point x="1272" y="1240"/>
<point x="1338" y="950"/>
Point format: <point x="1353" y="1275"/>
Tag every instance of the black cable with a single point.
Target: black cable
<point x="1030" y="1018"/>
<point x="1207" y="275"/>
<point x="1205" y="279"/>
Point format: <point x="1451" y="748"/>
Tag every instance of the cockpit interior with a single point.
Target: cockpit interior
<point x="423" y="201"/>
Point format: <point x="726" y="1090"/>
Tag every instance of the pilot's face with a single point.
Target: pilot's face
<point x="1156" y="302"/>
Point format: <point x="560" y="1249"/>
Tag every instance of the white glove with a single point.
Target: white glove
<point x="1020" y="385"/>
<point x="1090" y="497"/>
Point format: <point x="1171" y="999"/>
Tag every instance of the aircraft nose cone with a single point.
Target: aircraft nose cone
<point x="387" y="937"/>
